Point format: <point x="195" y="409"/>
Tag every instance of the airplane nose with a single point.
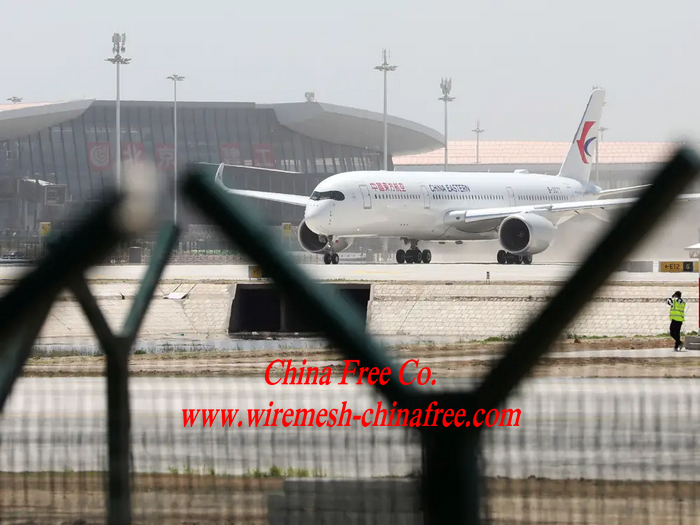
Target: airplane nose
<point x="316" y="217"/>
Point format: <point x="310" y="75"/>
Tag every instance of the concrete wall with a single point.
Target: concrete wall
<point x="203" y="314"/>
<point x="460" y="311"/>
<point x="479" y="311"/>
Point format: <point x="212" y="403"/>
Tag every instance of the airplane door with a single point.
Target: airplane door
<point x="511" y="196"/>
<point x="366" y="197"/>
<point x="426" y="197"/>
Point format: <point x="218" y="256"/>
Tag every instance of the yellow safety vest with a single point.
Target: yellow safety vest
<point x="677" y="312"/>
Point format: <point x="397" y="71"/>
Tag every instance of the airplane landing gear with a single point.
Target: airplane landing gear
<point x="329" y="258"/>
<point x="503" y="257"/>
<point x="414" y="255"/>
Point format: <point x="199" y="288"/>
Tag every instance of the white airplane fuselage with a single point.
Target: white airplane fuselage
<point x="414" y="205"/>
<point x="520" y="209"/>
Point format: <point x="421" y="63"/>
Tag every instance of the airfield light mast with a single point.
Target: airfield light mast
<point x="599" y="139"/>
<point x="118" y="47"/>
<point x="478" y="132"/>
<point x="175" y="79"/>
<point x="385" y="67"/>
<point x="446" y="87"/>
<point x="601" y="131"/>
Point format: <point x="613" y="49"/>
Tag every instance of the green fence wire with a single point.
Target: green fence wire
<point x="451" y="487"/>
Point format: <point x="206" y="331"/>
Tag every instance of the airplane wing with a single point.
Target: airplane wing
<point x="563" y="208"/>
<point x="618" y="192"/>
<point x="285" y="198"/>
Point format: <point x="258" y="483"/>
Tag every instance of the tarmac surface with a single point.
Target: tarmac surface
<point x="637" y="429"/>
<point x="452" y="272"/>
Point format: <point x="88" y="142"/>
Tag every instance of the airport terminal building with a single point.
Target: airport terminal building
<point x="55" y="156"/>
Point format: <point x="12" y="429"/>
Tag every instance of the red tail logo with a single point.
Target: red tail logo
<point x="583" y="143"/>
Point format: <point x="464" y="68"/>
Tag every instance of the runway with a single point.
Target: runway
<point x="445" y="272"/>
<point x="638" y="429"/>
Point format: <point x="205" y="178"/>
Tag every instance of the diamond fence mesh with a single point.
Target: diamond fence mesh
<point x="581" y="451"/>
<point x="587" y="451"/>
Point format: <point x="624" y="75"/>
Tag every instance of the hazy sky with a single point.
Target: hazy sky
<point x="524" y="68"/>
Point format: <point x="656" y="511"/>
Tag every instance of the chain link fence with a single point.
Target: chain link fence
<point x="171" y="448"/>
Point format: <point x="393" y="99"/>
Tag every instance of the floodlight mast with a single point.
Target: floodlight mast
<point x="175" y="79"/>
<point x="385" y="68"/>
<point x="446" y="87"/>
<point x="118" y="47"/>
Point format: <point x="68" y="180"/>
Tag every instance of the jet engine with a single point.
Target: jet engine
<point x="526" y="234"/>
<point x="309" y="240"/>
<point x="316" y="243"/>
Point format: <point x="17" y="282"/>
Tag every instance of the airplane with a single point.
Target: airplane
<point x="521" y="210"/>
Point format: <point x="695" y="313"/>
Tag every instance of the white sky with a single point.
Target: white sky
<point x="524" y="68"/>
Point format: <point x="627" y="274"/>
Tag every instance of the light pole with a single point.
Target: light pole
<point x="118" y="47"/>
<point x="15" y="100"/>
<point x="175" y="79"/>
<point x="385" y="67"/>
<point x="446" y="87"/>
<point x="478" y="132"/>
<point x="601" y="130"/>
<point x="599" y="139"/>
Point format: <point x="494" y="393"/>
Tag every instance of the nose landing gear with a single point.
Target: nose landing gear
<point x="330" y="257"/>
<point x="503" y="257"/>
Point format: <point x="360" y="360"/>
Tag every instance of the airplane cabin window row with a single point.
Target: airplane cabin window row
<point x="463" y="196"/>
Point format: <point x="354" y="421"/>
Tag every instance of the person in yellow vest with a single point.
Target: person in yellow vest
<point x="677" y="316"/>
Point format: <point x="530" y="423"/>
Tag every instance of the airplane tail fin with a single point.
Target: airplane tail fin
<point x="578" y="162"/>
<point x="219" y="177"/>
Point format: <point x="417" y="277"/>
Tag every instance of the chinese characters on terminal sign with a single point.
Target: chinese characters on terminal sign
<point x="387" y="186"/>
<point x="307" y="374"/>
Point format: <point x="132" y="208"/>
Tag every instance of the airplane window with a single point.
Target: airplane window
<point x="324" y="195"/>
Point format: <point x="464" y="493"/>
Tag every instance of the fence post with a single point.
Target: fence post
<point x="119" y="431"/>
<point x="451" y="477"/>
<point x="451" y="482"/>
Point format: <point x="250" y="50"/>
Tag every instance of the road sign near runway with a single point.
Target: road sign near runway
<point x="678" y="266"/>
<point x="256" y="272"/>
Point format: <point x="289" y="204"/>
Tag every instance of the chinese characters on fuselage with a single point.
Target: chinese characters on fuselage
<point x="387" y="186"/>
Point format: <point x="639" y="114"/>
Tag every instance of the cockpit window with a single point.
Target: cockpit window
<point x="324" y="195"/>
